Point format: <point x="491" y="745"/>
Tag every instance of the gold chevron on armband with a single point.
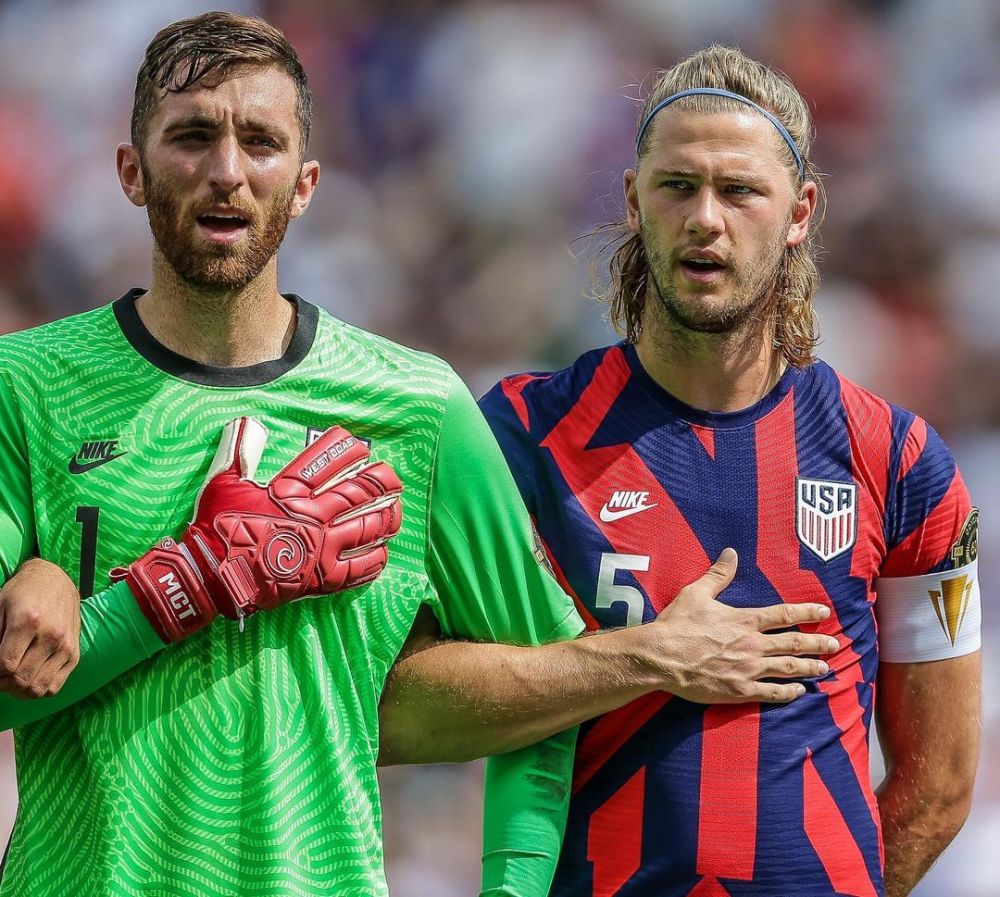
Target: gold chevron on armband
<point x="952" y="602"/>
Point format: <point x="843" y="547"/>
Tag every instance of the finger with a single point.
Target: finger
<point x="771" y="693"/>
<point x="720" y="574"/>
<point x="372" y="488"/>
<point x="240" y="448"/>
<point x="360" y="529"/>
<point x="333" y="457"/>
<point x="45" y="681"/>
<point x="15" y="642"/>
<point x="794" y="668"/>
<point x="780" y="616"/>
<point x="11" y="686"/>
<point x="354" y="566"/>
<point x="37" y="653"/>
<point x="367" y="566"/>
<point x="799" y="643"/>
<point x="60" y="676"/>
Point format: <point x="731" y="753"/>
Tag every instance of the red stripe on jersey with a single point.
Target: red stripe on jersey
<point x="777" y="468"/>
<point x="869" y="428"/>
<point x="916" y="439"/>
<point x="512" y="388"/>
<point x="727" y="813"/>
<point x="605" y="738"/>
<point x="708" y="887"/>
<point x="921" y="550"/>
<point x="706" y="436"/>
<point x="831" y="838"/>
<point x="594" y="475"/>
<point x="588" y="620"/>
<point x="614" y="838"/>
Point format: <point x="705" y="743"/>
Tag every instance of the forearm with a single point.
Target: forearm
<point x="457" y="701"/>
<point x="918" y="823"/>
<point x="114" y="637"/>
<point x="929" y="722"/>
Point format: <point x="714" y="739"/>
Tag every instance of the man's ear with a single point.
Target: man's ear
<point x="802" y="213"/>
<point x="130" y="173"/>
<point x="304" y="188"/>
<point x="632" y="216"/>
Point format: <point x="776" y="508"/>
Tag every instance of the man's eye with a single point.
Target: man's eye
<point x="740" y="189"/>
<point x="192" y="137"/>
<point x="263" y="142"/>
<point x="677" y="185"/>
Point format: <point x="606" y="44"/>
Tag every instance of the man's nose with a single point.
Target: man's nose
<point x="225" y="165"/>
<point x="705" y="214"/>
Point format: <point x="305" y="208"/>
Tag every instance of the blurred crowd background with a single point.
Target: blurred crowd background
<point x="467" y="145"/>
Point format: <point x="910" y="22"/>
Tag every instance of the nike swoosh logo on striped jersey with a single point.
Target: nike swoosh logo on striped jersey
<point x="608" y="516"/>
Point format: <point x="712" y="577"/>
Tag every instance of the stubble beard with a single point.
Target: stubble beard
<point x="214" y="268"/>
<point x="753" y="293"/>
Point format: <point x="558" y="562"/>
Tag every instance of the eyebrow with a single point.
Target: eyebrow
<point x="744" y="177"/>
<point x="192" y="121"/>
<point x="206" y="123"/>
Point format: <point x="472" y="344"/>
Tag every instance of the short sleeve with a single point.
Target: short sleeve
<point x="927" y="593"/>
<point x="488" y="568"/>
<point x="928" y="509"/>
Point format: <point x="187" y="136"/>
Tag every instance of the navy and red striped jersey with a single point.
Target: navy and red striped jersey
<point x="822" y="488"/>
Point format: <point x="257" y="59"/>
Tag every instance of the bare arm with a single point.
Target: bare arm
<point x="456" y="701"/>
<point x="39" y="630"/>
<point x="928" y="724"/>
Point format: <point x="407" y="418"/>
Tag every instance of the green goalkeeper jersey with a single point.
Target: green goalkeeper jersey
<point x="244" y="762"/>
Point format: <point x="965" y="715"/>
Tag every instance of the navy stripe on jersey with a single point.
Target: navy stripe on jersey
<point x="922" y="489"/>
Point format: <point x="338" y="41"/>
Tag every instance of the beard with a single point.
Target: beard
<point x="752" y="289"/>
<point x="214" y="267"/>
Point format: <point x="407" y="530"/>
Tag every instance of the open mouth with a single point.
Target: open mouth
<point x="702" y="270"/>
<point x="702" y="266"/>
<point x="223" y="227"/>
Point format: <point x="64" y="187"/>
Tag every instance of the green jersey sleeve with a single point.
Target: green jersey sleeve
<point x="17" y="516"/>
<point x="490" y="574"/>
<point x="493" y="584"/>
<point x="526" y="802"/>
<point x="114" y="637"/>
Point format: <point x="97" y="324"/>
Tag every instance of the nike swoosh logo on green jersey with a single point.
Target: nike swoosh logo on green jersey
<point x="76" y="467"/>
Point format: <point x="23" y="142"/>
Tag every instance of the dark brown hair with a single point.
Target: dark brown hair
<point x="206" y="49"/>
<point x="795" y="332"/>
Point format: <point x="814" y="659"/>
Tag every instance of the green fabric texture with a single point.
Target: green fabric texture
<point x="526" y="794"/>
<point x="234" y="762"/>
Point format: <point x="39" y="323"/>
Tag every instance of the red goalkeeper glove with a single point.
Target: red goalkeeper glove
<point x="319" y="526"/>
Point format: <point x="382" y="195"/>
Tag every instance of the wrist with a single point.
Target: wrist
<point x="633" y="653"/>
<point x="170" y="590"/>
<point x="653" y="656"/>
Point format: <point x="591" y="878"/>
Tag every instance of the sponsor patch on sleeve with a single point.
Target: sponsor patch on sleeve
<point x="966" y="548"/>
<point x="538" y="550"/>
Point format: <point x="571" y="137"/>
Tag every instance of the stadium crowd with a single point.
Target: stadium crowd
<point x="467" y="145"/>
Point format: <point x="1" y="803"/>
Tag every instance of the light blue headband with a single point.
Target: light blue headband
<point x="716" y="92"/>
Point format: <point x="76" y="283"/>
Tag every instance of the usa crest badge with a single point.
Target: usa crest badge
<point x="826" y="516"/>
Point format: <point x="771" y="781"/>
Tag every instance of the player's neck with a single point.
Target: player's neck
<point x="711" y="372"/>
<point x="235" y="328"/>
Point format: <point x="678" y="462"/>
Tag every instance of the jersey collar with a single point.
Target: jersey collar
<point x="168" y="361"/>
<point x="719" y="420"/>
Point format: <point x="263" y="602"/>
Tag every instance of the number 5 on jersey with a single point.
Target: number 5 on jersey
<point x="609" y="592"/>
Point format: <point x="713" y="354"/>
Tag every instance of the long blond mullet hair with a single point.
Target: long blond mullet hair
<point x="795" y="328"/>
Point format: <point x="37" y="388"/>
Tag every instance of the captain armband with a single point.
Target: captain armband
<point x="931" y="617"/>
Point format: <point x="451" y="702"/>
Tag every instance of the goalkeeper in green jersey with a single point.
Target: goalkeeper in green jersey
<point x="198" y="748"/>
